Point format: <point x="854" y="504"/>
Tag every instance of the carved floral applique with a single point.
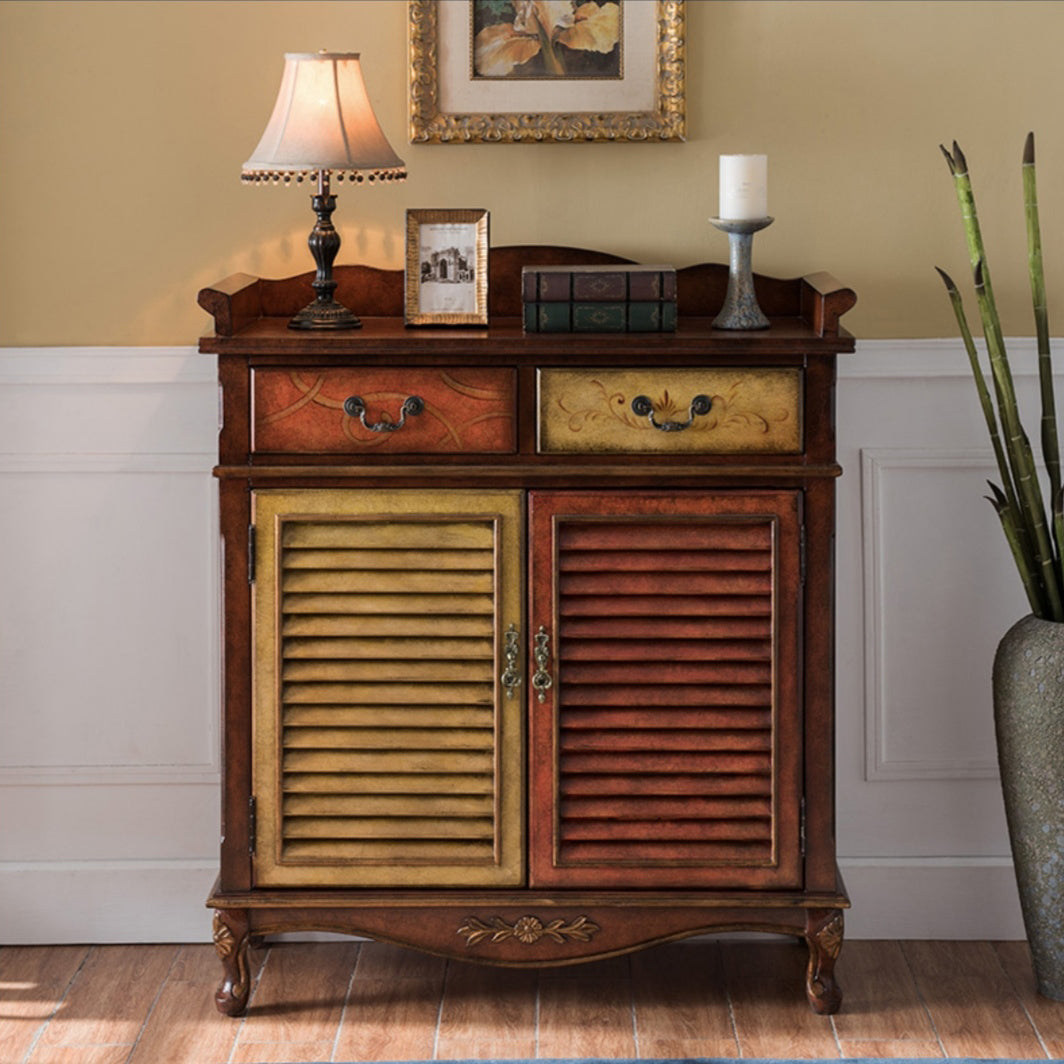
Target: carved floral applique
<point x="527" y="929"/>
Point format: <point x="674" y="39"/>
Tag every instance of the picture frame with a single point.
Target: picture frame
<point x="446" y="276"/>
<point x="452" y="101"/>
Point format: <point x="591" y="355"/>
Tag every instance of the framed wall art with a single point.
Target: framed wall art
<point x="546" y="70"/>
<point x="446" y="267"/>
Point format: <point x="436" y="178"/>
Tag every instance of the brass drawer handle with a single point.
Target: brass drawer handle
<point x="354" y="406"/>
<point x="541" y="678"/>
<point x="700" y="405"/>
<point x="511" y="675"/>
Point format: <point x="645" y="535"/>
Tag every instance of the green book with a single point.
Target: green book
<point x="644" y="316"/>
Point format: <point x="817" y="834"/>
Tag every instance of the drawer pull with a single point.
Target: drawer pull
<point x="700" y="405"/>
<point x="511" y="675"/>
<point x="354" y="406"/>
<point x="541" y="678"/>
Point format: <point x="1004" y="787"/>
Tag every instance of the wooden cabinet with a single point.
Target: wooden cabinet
<point x="528" y="637"/>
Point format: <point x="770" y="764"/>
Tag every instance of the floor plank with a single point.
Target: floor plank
<point x="108" y="1000"/>
<point x="300" y="993"/>
<point x="681" y="1002"/>
<point x="282" y="1053"/>
<point x="772" y="1016"/>
<point x="880" y="1001"/>
<point x="1048" y="1016"/>
<point x="393" y="1005"/>
<point x="387" y="1020"/>
<point x="33" y="981"/>
<point x="81" y="1054"/>
<point x="487" y="1012"/>
<point x="893" y="1050"/>
<point x="975" y="1010"/>
<point x="184" y="1024"/>
<point x="586" y="1011"/>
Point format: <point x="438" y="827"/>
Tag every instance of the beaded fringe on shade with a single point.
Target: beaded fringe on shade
<point x="323" y="121"/>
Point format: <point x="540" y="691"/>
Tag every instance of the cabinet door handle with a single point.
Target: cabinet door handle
<point x="354" y="406"/>
<point x="541" y="678"/>
<point x="700" y="405"/>
<point x="511" y="674"/>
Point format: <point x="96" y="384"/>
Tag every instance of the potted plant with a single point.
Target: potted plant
<point x="1028" y="675"/>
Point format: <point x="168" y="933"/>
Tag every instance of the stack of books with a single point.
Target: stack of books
<point x="599" y="298"/>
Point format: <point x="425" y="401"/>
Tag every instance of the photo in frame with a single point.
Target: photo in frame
<point x="446" y="267"/>
<point x="487" y="71"/>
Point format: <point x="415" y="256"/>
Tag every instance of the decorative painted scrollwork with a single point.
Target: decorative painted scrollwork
<point x="527" y="929"/>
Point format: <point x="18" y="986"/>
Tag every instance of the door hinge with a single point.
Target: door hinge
<point x="251" y="554"/>
<point x="801" y="555"/>
<point x="801" y="827"/>
<point x="252" y="825"/>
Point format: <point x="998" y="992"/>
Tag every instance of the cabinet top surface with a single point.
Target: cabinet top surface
<point x="251" y="317"/>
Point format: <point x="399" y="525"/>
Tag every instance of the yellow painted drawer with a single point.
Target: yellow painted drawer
<point x="719" y="411"/>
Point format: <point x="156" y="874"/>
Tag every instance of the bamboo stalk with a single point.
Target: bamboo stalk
<point x="1050" y="443"/>
<point x="1009" y="509"/>
<point x="1058" y="520"/>
<point x="1018" y="448"/>
<point x="973" y="234"/>
<point x="1012" y="532"/>
<point x="980" y="385"/>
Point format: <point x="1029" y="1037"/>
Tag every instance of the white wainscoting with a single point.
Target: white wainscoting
<point x="109" y="705"/>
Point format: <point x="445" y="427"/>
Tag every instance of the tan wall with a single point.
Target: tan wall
<point x="123" y="127"/>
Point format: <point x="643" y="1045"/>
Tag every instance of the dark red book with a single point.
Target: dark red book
<point x="598" y="284"/>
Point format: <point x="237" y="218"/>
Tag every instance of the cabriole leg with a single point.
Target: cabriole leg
<point x="231" y="942"/>
<point x="823" y="935"/>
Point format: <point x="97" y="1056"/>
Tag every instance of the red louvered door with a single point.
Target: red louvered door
<point x="666" y="739"/>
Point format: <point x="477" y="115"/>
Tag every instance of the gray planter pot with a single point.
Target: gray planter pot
<point x="1029" y="720"/>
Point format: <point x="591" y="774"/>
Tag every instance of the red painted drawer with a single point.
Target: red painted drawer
<point x="447" y="411"/>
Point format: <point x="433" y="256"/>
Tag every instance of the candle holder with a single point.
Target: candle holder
<point x="740" y="310"/>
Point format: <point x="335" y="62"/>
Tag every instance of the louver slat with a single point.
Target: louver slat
<point x="673" y="730"/>
<point x="390" y="763"/>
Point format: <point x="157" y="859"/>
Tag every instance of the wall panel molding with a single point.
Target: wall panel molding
<point x="883" y="714"/>
<point x="932" y="359"/>
<point x="138" y="428"/>
<point x="195" y="462"/>
<point x="105" y="366"/>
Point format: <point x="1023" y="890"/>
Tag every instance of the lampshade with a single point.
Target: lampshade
<point x="323" y="121"/>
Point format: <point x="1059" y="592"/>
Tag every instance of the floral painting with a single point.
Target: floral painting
<point x="529" y="39"/>
<point x="504" y="71"/>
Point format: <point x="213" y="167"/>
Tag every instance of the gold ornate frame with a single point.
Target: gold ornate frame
<point x="475" y="224"/>
<point x="436" y="68"/>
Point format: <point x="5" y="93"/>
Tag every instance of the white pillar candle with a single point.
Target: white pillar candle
<point x="743" y="187"/>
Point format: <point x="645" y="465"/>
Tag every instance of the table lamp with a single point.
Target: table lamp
<point x="323" y="123"/>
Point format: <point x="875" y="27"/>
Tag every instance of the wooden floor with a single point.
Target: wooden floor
<point x="351" y="1001"/>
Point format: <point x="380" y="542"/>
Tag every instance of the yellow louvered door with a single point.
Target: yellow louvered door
<point x="387" y="750"/>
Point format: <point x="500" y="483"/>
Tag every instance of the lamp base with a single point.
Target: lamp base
<point x="324" y="243"/>
<point x="327" y="314"/>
